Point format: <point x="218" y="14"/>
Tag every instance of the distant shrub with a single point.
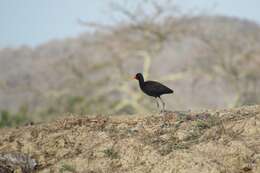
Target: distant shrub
<point x="8" y="119"/>
<point x="73" y="102"/>
<point x="5" y="118"/>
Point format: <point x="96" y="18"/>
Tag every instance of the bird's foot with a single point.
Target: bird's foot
<point x="162" y="112"/>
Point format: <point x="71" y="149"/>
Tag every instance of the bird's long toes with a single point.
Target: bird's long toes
<point x="163" y="112"/>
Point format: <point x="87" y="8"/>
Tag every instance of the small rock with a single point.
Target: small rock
<point x="16" y="162"/>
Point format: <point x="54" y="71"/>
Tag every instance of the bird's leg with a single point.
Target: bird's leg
<point x="163" y="110"/>
<point x="160" y="110"/>
<point x="158" y="106"/>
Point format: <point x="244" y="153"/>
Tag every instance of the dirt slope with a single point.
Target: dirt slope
<point x="220" y="141"/>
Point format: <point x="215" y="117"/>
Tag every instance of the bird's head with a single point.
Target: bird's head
<point x="138" y="76"/>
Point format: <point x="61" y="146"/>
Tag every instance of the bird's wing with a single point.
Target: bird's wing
<point x="157" y="87"/>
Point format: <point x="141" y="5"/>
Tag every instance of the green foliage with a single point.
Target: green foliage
<point x="67" y="168"/>
<point x="73" y="102"/>
<point x="8" y="119"/>
<point x="5" y="118"/>
<point x="111" y="153"/>
<point x="201" y="124"/>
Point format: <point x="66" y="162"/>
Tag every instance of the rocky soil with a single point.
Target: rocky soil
<point x="216" y="141"/>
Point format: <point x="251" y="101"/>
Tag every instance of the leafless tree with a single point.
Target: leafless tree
<point x="233" y="59"/>
<point x="141" y="35"/>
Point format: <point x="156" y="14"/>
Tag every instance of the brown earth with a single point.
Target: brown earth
<point x="216" y="141"/>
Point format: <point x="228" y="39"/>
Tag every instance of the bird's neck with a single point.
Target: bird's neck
<point x="141" y="83"/>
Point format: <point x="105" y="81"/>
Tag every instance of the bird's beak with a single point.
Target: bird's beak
<point x="134" y="77"/>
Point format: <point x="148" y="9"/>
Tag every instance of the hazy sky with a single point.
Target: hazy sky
<point x="33" y="22"/>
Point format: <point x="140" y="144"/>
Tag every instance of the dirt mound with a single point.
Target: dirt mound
<point x="219" y="141"/>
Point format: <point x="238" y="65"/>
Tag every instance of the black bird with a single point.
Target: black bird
<point x="153" y="88"/>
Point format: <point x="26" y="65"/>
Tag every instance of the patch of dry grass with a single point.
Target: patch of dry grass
<point x="225" y="141"/>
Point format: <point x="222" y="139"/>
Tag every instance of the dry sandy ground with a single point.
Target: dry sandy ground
<point x="219" y="141"/>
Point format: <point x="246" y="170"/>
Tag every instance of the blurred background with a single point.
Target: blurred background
<point x="59" y="57"/>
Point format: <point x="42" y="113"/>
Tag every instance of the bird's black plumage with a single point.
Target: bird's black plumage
<point x="153" y="88"/>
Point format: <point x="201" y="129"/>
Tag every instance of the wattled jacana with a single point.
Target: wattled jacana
<point x="153" y="88"/>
